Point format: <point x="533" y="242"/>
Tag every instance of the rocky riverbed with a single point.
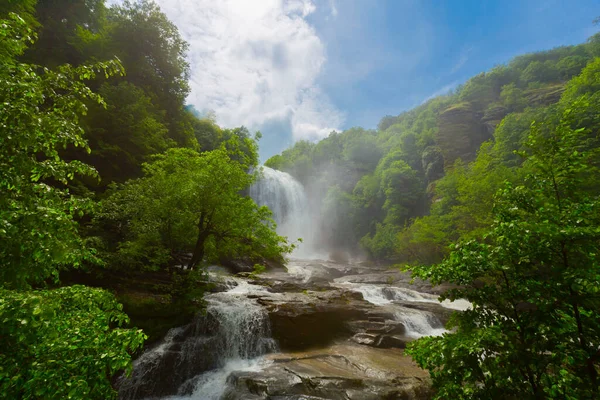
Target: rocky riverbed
<point x="320" y="330"/>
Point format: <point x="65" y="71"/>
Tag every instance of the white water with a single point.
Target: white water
<point x="287" y="199"/>
<point x="381" y="295"/>
<point x="419" y="323"/>
<point x="212" y="385"/>
<point x="236" y="333"/>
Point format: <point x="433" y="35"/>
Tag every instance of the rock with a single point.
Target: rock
<point x="238" y="265"/>
<point x="341" y="371"/>
<point x="162" y="371"/>
<point x="460" y="132"/>
<point x="432" y="162"/>
<point x="339" y="256"/>
<point x="302" y="321"/>
<point x="389" y="341"/>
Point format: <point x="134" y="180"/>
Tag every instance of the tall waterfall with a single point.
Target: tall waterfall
<point x="287" y="199"/>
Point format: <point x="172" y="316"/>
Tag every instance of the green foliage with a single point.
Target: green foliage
<point x="538" y="71"/>
<point x="532" y="278"/>
<point x="512" y="97"/>
<point x="67" y="30"/>
<point x="402" y="194"/>
<point x="63" y="343"/>
<point x="205" y="190"/>
<point x="125" y="133"/>
<point x="152" y="52"/>
<point x="257" y="270"/>
<point x="587" y="82"/>
<point x="39" y="116"/>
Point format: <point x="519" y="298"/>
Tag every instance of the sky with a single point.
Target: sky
<point x="298" y="69"/>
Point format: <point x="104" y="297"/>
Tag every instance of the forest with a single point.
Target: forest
<point x="116" y="195"/>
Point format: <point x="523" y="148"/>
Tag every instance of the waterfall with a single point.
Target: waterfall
<point x="287" y="199"/>
<point x="232" y="335"/>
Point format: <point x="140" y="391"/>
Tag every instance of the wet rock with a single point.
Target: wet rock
<point x="314" y="319"/>
<point x="339" y="256"/>
<point x="238" y="265"/>
<point x="162" y="373"/>
<point x="341" y="371"/>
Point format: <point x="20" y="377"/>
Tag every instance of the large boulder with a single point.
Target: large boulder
<point x="341" y="371"/>
<point x="312" y="319"/>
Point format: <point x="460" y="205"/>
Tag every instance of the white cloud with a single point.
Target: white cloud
<point x="256" y="62"/>
<point x="333" y="7"/>
<point x="462" y="60"/>
<point x="442" y="91"/>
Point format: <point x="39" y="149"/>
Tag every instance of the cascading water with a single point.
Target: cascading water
<point x="417" y="323"/>
<point x="232" y="335"/>
<point x="381" y="295"/>
<point x="287" y="199"/>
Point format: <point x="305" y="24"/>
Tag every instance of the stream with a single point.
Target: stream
<point x="313" y="331"/>
<point x="316" y="330"/>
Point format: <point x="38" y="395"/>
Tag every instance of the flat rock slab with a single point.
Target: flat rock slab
<point x="340" y="371"/>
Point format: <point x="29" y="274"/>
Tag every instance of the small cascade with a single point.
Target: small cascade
<point x="380" y="295"/>
<point x="243" y="330"/>
<point x="419" y="323"/>
<point x="286" y="198"/>
<point x="232" y="335"/>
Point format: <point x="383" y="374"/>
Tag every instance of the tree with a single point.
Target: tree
<point x="39" y="115"/>
<point x="513" y="98"/>
<point x="67" y="28"/>
<point x="124" y="133"/>
<point x="205" y="190"/>
<point x="61" y="343"/>
<point x="538" y="71"/>
<point x="154" y="55"/>
<point x="534" y="328"/>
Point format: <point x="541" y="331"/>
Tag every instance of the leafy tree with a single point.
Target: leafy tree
<point x="401" y="187"/>
<point x="205" y="190"/>
<point x="587" y="82"/>
<point x="571" y="66"/>
<point x="479" y="91"/>
<point x="39" y="115"/>
<point x="153" y="53"/>
<point x="55" y="343"/>
<point x="538" y="71"/>
<point x="68" y="28"/>
<point x="512" y="97"/>
<point x="62" y="343"/>
<point x="533" y="330"/>
<point x="125" y="132"/>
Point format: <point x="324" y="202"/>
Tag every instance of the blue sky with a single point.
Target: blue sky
<point x="406" y="51"/>
<point x="297" y="69"/>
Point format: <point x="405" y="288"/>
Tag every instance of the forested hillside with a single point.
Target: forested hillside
<point x="427" y="177"/>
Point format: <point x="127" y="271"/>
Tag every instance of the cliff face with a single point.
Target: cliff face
<point x="461" y="132"/>
<point x="463" y="127"/>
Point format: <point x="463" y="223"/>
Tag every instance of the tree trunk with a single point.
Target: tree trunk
<point x="198" y="253"/>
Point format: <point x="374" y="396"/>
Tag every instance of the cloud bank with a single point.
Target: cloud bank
<point x="256" y="63"/>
